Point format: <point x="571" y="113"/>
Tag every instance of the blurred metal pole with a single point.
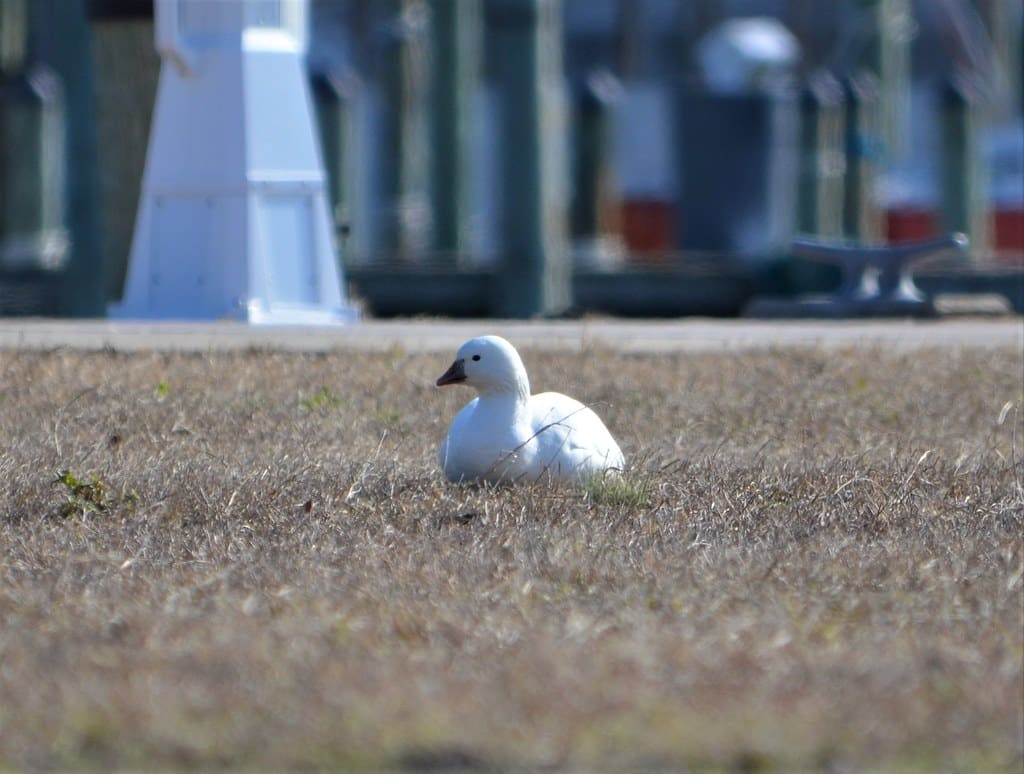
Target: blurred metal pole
<point x="84" y="292"/>
<point x="34" y="240"/>
<point x="333" y="98"/>
<point x="126" y="70"/>
<point x="1003" y="24"/>
<point x="13" y="35"/>
<point x="820" y="196"/>
<point x="628" y="39"/>
<point x="593" y="219"/>
<point x="535" y="275"/>
<point x="865" y="151"/>
<point x="456" y="28"/>
<point x="964" y="180"/>
<point x="404" y="220"/>
<point x="891" y="29"/>
<point x="33" y="160"/>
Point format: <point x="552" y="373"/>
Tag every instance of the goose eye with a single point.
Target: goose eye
<point x="476" y="357"/>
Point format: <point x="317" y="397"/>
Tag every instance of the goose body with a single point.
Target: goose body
<point x="506" y="434"/>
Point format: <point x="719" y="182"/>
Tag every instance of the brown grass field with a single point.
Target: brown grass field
<point x="250" y="560"/>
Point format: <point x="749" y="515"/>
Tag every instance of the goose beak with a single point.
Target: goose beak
<point x="456" y="373"/>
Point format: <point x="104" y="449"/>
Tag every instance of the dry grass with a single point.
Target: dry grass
<point x="251" y="560"/>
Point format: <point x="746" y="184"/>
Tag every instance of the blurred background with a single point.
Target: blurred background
<point x="683" y="144"/>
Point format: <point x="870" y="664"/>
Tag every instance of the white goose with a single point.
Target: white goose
<point x="507" y="435"/>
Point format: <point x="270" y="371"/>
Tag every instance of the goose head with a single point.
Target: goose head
<point x="490" y="365"/>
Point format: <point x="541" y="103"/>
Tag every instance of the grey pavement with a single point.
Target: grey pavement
<point x="439" y="336"/>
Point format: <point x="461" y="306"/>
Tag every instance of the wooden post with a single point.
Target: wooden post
<point x="535" y="273"/>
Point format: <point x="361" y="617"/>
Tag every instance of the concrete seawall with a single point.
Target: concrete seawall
<point x="628" y="336"/>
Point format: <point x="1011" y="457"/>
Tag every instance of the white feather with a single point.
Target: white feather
<point x="507" y="435"/>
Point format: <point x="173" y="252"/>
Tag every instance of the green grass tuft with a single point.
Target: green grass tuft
<point x="620" y="491"/>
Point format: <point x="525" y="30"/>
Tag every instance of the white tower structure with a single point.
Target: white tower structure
<point x="233" y="220"/>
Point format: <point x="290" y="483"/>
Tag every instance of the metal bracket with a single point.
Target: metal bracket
<point x="876" y="281"/>
<point x="878" y="273"/>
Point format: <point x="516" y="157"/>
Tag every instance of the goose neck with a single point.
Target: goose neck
<point x="515" y="394"/>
